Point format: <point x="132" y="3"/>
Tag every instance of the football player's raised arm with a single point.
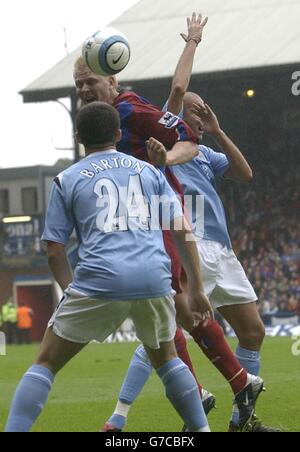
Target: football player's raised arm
<point x="183" y="72"/>
<point x="240" y="169"/>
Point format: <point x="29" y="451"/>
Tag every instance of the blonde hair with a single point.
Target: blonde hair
<point x="80" y="65"/>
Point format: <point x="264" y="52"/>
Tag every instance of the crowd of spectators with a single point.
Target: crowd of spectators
<point x="264" y="222"/>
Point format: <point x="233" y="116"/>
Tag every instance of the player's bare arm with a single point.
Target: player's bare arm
<point x="59" y="264"/>
<point x="239" y="169"/>
<point x="188" y="252"/>
<point x="182" y="76"/>
<point x="182" y="152"/>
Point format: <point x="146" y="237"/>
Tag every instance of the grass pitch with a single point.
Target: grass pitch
<point x="85" y="392"/>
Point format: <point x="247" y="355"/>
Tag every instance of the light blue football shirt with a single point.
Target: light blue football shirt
<point x="108" y="198"/>
<point x="198" y="179"/>
<point x="204" y="205"/>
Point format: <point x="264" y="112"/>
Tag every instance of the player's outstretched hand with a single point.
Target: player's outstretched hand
<point x="157" y="153"/>
<point x="201" y="306"/>
<point x="209" y="120"/>
<point x="195" y="28"/>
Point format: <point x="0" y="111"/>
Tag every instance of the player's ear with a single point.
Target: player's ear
<point x="119" y="136"/>
<point x="113" y="82"/>
<point x="78" y="139"/>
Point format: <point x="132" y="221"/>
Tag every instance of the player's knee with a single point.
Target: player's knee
<point x="253" y="337"/>
<point x="261" y="332"/>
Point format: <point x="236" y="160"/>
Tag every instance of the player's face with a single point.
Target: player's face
<point x="191" y="118"/>
<point x="91" y="87"/>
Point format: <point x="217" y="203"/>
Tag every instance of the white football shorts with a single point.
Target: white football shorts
<point x="224" y="279"/>
<point x="81" y="319"/>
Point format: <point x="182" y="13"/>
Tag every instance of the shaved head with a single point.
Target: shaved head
<point x="191" y="98"/>
<point x="189" y="116"/>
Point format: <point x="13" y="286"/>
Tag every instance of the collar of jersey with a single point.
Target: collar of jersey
<point x="109" y="151"/>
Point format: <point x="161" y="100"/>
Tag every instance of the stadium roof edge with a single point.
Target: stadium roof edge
<point x="246" y="34"/>
<point x="46" y="94"/>
<point x="54" y="94"/>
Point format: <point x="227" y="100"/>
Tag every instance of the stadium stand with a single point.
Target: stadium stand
<point x="265" y="228"/>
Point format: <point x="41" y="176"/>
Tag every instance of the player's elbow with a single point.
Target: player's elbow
<point x="55" y="251"/>
<point x="175" y="100"/>
<point x="248" y="176"/>
<point x="178" y="90"/>
<point x="245" y="175"/>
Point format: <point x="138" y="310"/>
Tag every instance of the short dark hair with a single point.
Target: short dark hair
<point x="97" y="123"/>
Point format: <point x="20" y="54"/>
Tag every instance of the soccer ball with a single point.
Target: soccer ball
<point x="107" y="52"/>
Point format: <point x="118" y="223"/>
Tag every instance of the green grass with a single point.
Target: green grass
<point x="85" y="392"/>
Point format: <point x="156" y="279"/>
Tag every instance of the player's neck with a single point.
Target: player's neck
<point x="100" y="148"/>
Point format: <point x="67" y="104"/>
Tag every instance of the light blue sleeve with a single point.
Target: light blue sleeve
<point x="59" y="222"/>
<point x="165" y="108"/>
<point x="218" y="161"/>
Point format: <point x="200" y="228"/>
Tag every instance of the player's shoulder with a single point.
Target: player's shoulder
<point x="205" y="153"/>
<point x="130" y="97"/>
<point x="130" y="104"/>
<point x="66" y="175"/>
<point x="209" y="155"/>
